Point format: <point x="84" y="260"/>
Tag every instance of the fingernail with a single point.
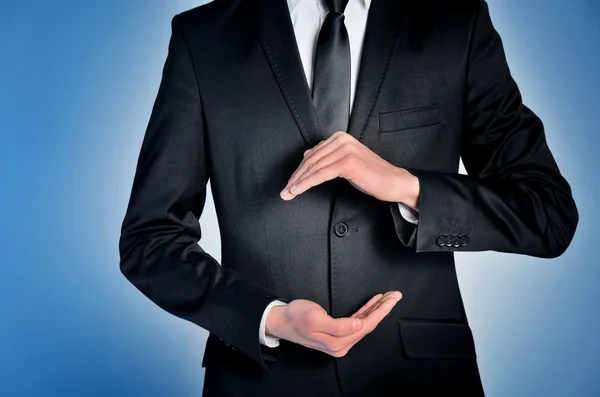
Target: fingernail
<point x="356" y="325"/>
<point x="391" y="303"/>
<point x="293" y="188"/>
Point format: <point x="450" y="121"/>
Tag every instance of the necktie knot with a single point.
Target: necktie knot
<point x="336" y="5"/>
<point x="336" y="16"/>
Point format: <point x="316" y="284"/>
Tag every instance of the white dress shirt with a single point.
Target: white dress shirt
<point x="307" y="17"/>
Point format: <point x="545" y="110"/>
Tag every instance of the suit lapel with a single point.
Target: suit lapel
<point x="276" y="34"/>
<point x="381" y="35"/>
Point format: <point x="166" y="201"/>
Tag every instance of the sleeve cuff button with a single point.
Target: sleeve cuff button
<point x="441" y="240"/>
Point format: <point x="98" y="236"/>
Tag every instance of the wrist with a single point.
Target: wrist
<point x="407" y="188"/>
<point x="276" y="319"/>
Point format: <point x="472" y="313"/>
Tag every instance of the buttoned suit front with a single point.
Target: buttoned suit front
<point x="234" y="110"/>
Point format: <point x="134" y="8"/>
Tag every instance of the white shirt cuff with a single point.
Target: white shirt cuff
<point x="408" y="213"/>
<point x="267" y="340"/>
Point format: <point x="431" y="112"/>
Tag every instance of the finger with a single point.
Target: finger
<point x="334" y="345"/>
<point x="323" y="148"/>
<point x="325" y="142"/>
<point x="336" y="139"/>
<point x="339" y="346"/>
<point x="371" y="321"/>
<point x="319" y="145"/>
<point x="319" y="176"/>
<point x="374" y="305"/>
<point x="347" y="348"/>
<point x="331" y="344"/>
<point x="323" y="162"/>
<point x="337" y="327"/>
<point x="395" y="295"/>
<point x="308" y="154"/>
<point x="309" y="166"/>
<point x="316" y="154"/>
<point x="367" y="305"/>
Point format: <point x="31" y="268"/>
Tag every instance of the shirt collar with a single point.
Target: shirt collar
<point x="293" y="3"/>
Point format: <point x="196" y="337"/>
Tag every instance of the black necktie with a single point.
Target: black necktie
<point x="331" y="75"/>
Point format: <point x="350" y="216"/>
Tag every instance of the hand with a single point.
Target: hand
<point x="306" y="323"/>
<point x="344" y="156"/>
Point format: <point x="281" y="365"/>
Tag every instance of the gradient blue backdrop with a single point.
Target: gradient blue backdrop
<point x="77" y="83"/>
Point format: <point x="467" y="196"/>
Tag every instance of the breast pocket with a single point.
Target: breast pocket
<point x="408" y="119"/>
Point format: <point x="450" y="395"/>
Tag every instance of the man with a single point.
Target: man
<point x="338" y="228"/>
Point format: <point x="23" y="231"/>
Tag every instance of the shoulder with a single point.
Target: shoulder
<point x="452" y="6"/>
<point x="453" y="20"/>
<point x="212" y="14"/>
<point x="440" y="11"/>
<point x="215" y="29"/>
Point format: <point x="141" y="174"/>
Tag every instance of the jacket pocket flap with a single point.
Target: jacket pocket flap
<point x="430" y="339"/>
<point x="396" y="120"/>
<point x="218" y="354"/>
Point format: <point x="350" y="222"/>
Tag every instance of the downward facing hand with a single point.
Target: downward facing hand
<point x="343" y="156"/>
<point x="307" y="323"/>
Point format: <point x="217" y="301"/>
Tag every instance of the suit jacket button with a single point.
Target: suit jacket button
<point x="449" y="241"/>
<point x="341" y="229"/>
<point x="441" y="240"/>
<point x="457" y="242"/>
<point x="464" y="240"/>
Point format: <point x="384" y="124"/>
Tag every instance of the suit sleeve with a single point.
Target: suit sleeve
<point x="514" y="198"/>
<point x="159" y="250"/>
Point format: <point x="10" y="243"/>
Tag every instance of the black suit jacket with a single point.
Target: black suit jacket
<point x="234" y="109"/>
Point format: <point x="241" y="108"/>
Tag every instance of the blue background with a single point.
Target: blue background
<point x="77" y="83"/>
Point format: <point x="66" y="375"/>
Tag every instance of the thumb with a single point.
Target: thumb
<point x="338" y="326"/>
